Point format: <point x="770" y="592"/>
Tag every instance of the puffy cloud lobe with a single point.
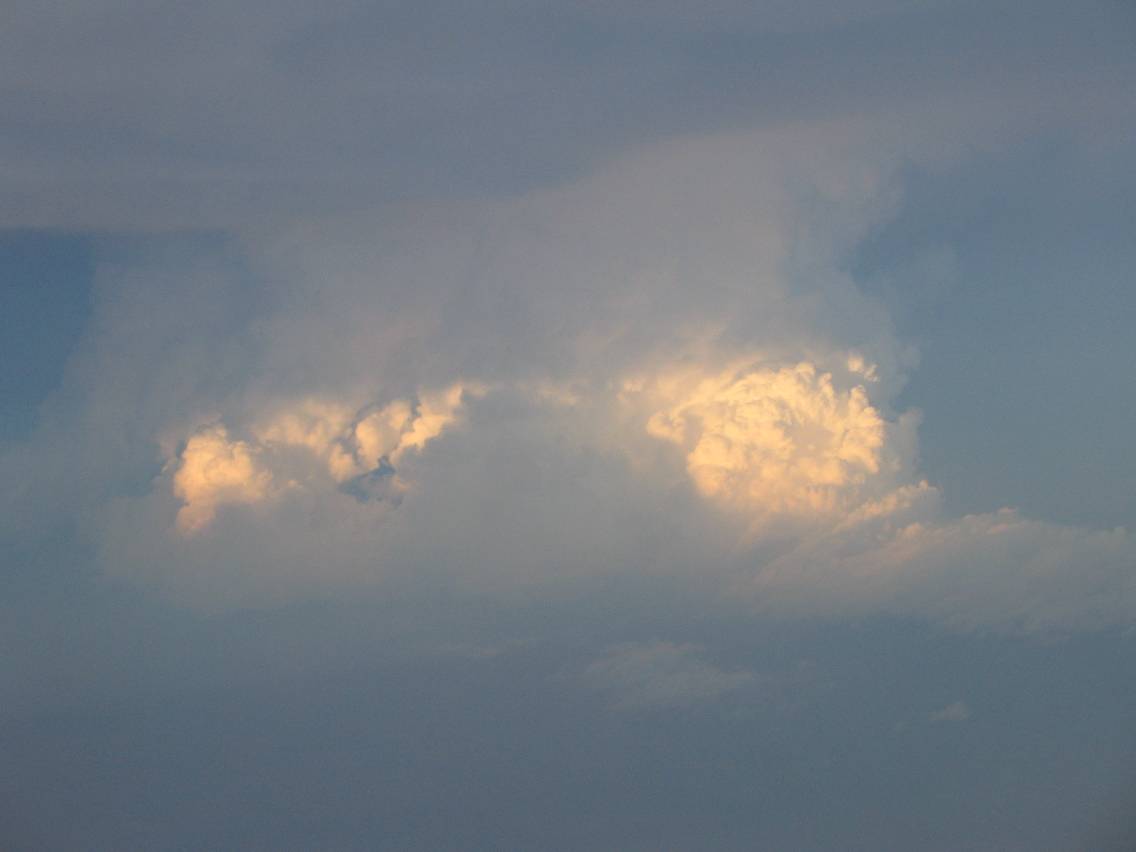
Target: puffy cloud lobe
<point x="435" y="412"/>
<point x="772" y="440"/>
<point x="317" y="426"/>
<point x="213" y="471"/>
<point x="352" y="444"/>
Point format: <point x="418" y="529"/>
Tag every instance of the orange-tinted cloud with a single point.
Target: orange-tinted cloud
<point x="771" y="440"/>
<point x="215" y="471"/>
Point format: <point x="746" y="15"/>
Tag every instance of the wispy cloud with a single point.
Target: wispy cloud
<point x="655" y="675"/>
<point x="956" y="711"/>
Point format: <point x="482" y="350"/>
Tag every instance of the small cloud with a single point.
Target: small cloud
<point x="650" y="675"/>
<point x="955" y="712"/>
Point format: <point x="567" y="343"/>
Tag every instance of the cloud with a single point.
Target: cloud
<point x="769" y="440"/>
<point x="661" y="371"/>
<point x="352" y="442"/>
<point x="989" y="572"/>
<point x="659" y="675"/>
<point x="190" y="117"/>
<point x="214" y="471"/>
<point x="957" y="711"/>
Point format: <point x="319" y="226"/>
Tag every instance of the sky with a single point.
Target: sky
<point x="565" y="425"/>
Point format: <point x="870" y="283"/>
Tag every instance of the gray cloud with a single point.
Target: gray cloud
<point x="213" y="116"/>
<point x="660" y="675"/>
<point x="625" y="317"/>
<point x="956" y="711"/>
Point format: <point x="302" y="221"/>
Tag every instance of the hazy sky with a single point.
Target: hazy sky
<point x="567" y="425"/>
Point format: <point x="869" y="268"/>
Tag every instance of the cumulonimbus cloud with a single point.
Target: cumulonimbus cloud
<point x="658" y="369"/>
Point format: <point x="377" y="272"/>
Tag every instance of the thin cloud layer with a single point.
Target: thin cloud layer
<point x="211" y="115"/>
<point x="956" y="711"/>
<point x="660" y="675"/>
<point x="990" y="572"/>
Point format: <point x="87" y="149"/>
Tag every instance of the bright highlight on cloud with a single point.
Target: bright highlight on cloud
<point x="772" y="440"/>
<point x="214" y="471"/>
